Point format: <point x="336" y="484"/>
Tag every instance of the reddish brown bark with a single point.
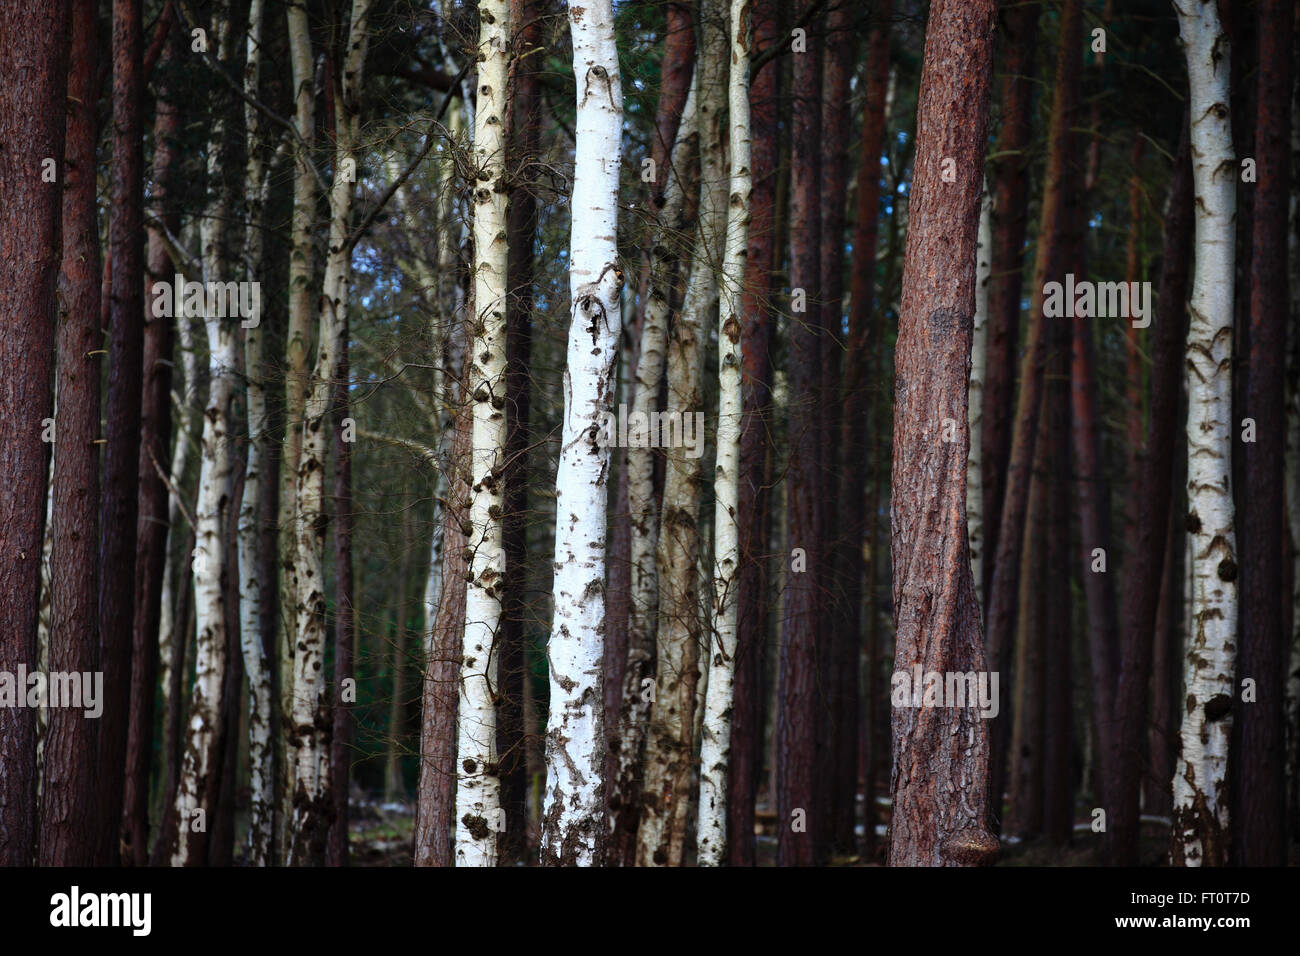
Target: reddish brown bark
<point x="33" y="47"/>
<point x="68" y="810"/>
<point x="855" y="454"/>
<point x="155" y="443"/>
<point x="839" y="637"/>
<point x="1259" y="791"/>
<point x="801" y="824"/>
<point x="1001" y="613"/>
<point x="435" y="806"/>
<point x="940" y="753"/>
<point x="1010" y="222"/>
<point x="1142" y="573"/>
<point x="120" y="505"/>
<point x="752" y="510"/>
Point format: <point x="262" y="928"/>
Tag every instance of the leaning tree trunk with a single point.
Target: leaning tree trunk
<point x="478" y="788"/>
<point x="311" y="808"/>
<point x="573" y="826"/>
<point x="68" y="824"/>
<point x="1200" y="830"/>
<point x="715" y="743"/>
<point x="940" y="754"/>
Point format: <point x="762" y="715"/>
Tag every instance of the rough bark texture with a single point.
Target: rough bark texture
<point x="940" y="776"/>
<point x="68" y="821"/>
<point x="117" y="542"/>
<point x="336" y="850"/>
<point x="1200" y="831"/>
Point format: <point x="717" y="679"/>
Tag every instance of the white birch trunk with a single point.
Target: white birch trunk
<point x="1200" y="779"/>
<point x="715" y="742"/>
<point x="644" y="540"/>
<point x="211" y="513"/>
<point x="256" y="665"/>
<point x="573" y="829"/>
<point x="670" y="740"/>
<point x="312" y="770"/>
<point x="478" y="788"/>
<point x="297" y="349"/>
<point x="975" y="414"/>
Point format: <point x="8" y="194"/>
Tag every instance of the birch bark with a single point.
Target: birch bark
<point x="715" y="743"/>
<point x="573" y="829"/>
<point x="1200" y="834"/>
<point x="478" y="787"/>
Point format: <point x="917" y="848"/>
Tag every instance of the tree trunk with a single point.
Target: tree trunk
<point x="625" y="799"/>
<point x="1259" y="795"/>
<point x="1200" y="834"/>
<point x="978" y="371"/>
<point x="1048" y="260"/>
<point x="574" y="818"/>
<point x="155" y="438"/>
<point x="201" y="769"/>
<point x="117" y="542"/>
<point x="521" y="217"/>
<point x="436" y="798"/>
<point x="310" y="822"/>
<point x="478" y="797"/>
<point x="800" y="825"/>
<point x="715" y="743"/>
<point x="1143" y="570"/>
<point x="257" y="665"/>
<point x="670" y="739"/>
<point x="1010" y="222"/>
<point x="341" y="753"/>
<point x="68" y="835"/>
<point x="297" y="351"/>
<point x="940" y="754"/>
